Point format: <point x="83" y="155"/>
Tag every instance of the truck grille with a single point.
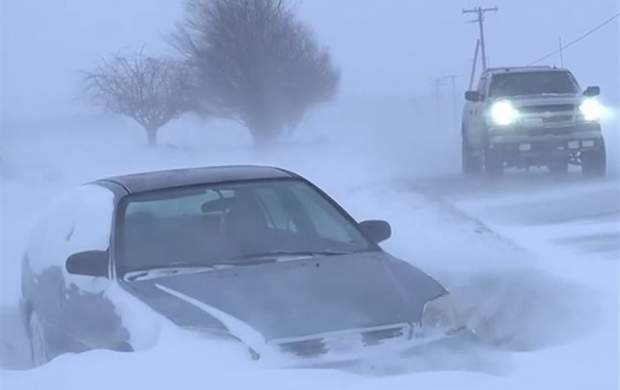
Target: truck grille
<point x="547" y="108"/>
<point x="549" y="116"/>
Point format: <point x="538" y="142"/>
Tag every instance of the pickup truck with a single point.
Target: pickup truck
<point x="532" y="117"/>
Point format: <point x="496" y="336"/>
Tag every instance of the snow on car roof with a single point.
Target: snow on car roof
<point x="157" y="180"/>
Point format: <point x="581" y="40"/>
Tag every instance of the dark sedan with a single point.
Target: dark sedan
<point x="257" y="253"/>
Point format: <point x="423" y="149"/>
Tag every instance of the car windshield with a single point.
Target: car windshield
<point x="532" y="83"/>
<point x="232" y="224"/>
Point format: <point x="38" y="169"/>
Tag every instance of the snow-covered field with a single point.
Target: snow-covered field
<point x="532" y="260"/>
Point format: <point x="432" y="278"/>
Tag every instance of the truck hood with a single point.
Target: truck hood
<point x="294" y="298"/>
<point x="544" y="99"/>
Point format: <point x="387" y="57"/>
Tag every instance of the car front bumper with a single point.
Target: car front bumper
<point x="359" y="360"/>
<point x="348" y="351"/>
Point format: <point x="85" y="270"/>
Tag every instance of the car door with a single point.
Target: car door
<point x="87" y="311"/>
<point x="74" y="308"/>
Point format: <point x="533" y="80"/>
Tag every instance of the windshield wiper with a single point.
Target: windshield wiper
<point x="244" y="260"/>
<point x="170" y="269"/>
<point x="259" y="257"/>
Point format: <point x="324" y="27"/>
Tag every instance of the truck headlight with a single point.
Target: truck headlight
<point x="441" y="314"/>
<point x="503" y="113"/>
<point x="591" y="110"/>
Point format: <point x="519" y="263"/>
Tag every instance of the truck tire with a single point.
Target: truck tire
<point x="594" y="162"/>
<point x="470" y="163"/>
<point x="493" y="164"/>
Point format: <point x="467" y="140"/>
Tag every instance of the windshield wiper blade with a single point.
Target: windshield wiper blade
<point x="327" y="252"/>
<point x="283" y="253"/>
<point x="244" y="260"/>
<point x="169" y="269"/>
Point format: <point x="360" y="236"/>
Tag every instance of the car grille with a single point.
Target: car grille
<point x="344" y="341"/>
<point x="377" y="337"/>
<point x="306" y="348"/>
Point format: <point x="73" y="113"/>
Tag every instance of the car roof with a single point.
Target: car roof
<point x="158" y="180"/>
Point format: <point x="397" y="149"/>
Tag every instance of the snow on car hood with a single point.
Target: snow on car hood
<point x="294" y="298"/>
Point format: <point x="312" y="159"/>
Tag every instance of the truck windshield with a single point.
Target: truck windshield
<point x="532" y="83"/>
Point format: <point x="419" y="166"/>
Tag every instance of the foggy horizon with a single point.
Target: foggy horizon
<point x="381" y="51"/>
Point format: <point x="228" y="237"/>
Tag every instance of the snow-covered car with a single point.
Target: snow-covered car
<point x="255" y="253"/>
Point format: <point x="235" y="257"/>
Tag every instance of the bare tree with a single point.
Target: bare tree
<point x="149" y="90"/>
<point x="254" y="60"/>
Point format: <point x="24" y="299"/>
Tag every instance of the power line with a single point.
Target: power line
<point x="571" y="43"/>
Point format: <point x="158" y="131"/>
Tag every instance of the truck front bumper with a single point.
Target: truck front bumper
<point x="525" y="147"/>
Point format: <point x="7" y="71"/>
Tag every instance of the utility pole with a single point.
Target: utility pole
<point x="473" y="67"/>
<point x="438" y="82"/>
<point x="453" y="78"/>
<point x="438" y="102"/>
<point x="561" y="53"/>
<point x="479" y="11"/>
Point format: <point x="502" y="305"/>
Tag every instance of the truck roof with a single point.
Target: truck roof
<point x="522" y="69"/>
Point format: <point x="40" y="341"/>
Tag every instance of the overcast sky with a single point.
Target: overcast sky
<point x="384" y="48"/>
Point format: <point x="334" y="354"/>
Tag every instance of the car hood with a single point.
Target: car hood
<point x="294" y="298"/>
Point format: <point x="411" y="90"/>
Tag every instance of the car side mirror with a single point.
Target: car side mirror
<point x="592" y="91"/>
<point x="473" y="96"/>
<point x="377" y="231"/>
<point x="89" y="263"/>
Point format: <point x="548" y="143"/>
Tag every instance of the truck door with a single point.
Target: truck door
<point x="477" y="115"/>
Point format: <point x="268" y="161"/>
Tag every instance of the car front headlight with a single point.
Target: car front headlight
<point x="503" y="113"/>
<point x="591" y="110"/>
<point x="441" y="314"/>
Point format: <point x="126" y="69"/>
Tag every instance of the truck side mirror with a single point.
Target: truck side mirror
<point x="592" y="91"/>
<point x="473" y="96"/>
